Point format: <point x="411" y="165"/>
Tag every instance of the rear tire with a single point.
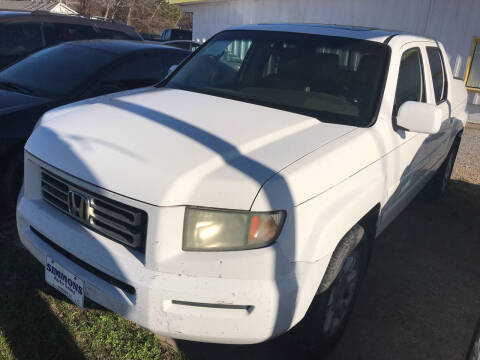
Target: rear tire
<point x="328" y="314"/>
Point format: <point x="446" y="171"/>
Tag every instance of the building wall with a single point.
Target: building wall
<point x="453" y="22"/>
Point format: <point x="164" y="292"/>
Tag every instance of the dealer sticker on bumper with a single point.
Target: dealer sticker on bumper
<point x="64" y="281"/>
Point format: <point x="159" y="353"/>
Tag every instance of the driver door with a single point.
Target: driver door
<point x="410" y="160"/>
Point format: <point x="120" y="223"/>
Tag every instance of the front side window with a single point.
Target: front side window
<point x="334" y="79"/>
<point x="410" y="84"/>
<point x="439" y="78"/>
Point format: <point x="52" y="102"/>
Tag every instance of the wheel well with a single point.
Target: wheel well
<point x="370" y="223"/>
<point x="365" y="228"/>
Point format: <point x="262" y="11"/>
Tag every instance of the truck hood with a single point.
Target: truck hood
<point x="171" y="147"/>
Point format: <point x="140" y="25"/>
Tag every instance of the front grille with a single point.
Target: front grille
<point x="109" y="218"/>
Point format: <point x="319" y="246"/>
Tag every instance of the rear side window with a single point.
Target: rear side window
<point x="411" y="84"/>
<point x="437" y="68"/>
<point x="19" y="40"/>
<point x="60" y="32"/>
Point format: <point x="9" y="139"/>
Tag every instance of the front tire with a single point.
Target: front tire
<point x="328" y="314"/>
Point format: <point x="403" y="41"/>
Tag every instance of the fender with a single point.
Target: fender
<point x="330" y="220"/>
<point x="323" y="221"/>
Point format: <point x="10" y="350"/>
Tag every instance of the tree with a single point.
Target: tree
<point x="148" y="16"/>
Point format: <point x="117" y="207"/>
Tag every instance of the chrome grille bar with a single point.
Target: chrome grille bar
<point x="107" y="217"/>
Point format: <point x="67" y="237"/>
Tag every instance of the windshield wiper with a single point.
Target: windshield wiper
<point x="16" y="87"/>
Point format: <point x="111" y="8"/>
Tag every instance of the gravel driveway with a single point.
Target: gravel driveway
<point x="467" y="166"/>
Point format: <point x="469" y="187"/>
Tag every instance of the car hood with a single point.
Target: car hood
<point x="171" y="147"/>
<point x="11" y="101"/>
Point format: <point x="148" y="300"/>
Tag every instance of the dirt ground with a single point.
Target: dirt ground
<point x="421" y="295"/>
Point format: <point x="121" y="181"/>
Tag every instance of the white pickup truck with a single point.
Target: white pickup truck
<point x="242" y="195"/>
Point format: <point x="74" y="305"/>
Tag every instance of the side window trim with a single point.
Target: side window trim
<point x="422" y="70"/>
<point x="445" y="89"/>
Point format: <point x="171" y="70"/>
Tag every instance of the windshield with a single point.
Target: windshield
<point x="334" y="79"/>
<point x="57" y="71"/>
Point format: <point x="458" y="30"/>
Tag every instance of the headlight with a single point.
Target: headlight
<point x="224" y="230"/>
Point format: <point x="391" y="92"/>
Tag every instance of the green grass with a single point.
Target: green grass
<point x="36" y="322"/>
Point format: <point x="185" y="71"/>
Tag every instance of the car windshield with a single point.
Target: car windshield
<point x="334" y="79"/>
<point x="57" y="71"/>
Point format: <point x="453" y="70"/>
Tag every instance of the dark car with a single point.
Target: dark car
<point x="183" y="44"/>
<point x="22" y="32"/>
<point x="66" y="73"/>
<point x="176" y="34"/>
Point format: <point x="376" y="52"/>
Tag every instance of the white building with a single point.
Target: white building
<point x="456" y="23"/>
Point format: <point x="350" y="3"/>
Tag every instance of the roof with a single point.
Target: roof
<point x="13" y="13"/>
<point x="122" y="47"/>
<point x="355" y="32"/>
<point x="28" y="5"/>
<point x="68" y="18"/>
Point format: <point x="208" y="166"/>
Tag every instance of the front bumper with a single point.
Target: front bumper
<point x="240" y="297"/>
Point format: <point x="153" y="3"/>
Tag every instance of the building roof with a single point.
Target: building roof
<point x="355" y="32"/>
<point x="25" y="5"/>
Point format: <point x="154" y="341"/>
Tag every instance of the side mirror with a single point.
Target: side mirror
<point x="172" y="69"/>
<point x="420" y="117"/>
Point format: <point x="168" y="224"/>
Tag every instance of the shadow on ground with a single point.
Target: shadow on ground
<point x="26" y="320"/>
<point x="421" y="295"/>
